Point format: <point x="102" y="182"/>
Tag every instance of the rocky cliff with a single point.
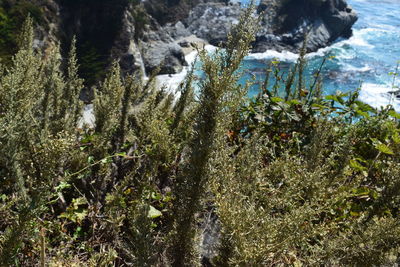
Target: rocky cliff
<point x="284" y="25"/>
<point x="145" y="35"/>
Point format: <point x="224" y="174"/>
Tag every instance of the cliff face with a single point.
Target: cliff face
<point x="12" y="15"/>
<point x="284" y="26"/>
<point x="152" y="33"/>
<point x="322" y="20"/>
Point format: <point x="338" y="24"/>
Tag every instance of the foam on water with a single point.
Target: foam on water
<point x="171" y="82"/>
<point x="359" y="38"/>
<point x="87" y="118"/>
<point x="378" y="95"/>
<point x="271" y="54"/>
<point x="365" y="68"/>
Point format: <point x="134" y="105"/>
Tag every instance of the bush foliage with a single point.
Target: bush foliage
<point x="290" y="177"/>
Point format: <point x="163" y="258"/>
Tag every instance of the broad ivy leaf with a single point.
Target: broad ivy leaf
<point x="154" y="213"/>
<point x="396" y="138"/>
<point x="384" y="149"/>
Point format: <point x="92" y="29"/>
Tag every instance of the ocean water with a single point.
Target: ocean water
<point x="363" y="61"/>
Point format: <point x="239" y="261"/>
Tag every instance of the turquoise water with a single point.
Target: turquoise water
<point x="364" y="60"/>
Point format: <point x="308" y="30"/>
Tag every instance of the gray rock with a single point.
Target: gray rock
<point x="125" y="49"/>
<point x="169" y="56"/>
<point x="156" y="48"/>
<point x="178" y="30"/>
<point x="322" y="21"/>
<point x="213" y="21"/>
<point x="282" y="27"/>
<point x="184" y="43"/>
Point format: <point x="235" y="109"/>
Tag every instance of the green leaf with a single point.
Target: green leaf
<point x="294" y="102"/>
<point x="354" y="213"/>
<point x="332" y="97"/>
<point x="156" y="196"/>
<point x="356" y="165"/>
<point x="360" y="191"/>
<point x="121" y="154"/>
<point x="364" y="107"/>
<point x="362" y="113"/>
<point x="384" y="149"/>
<point x="153" y="213"/>
<point x="80" y="214"/>
<point x="394" y="114"/>
<point x="276" y="99"/>
<point x="78" y="232"/>
<point x="318" y="106"/>
<point x="90" y="159"/>
<point x="78" y="201"/>
<point x="396" y="138"/>
<point x="62" y="186"/>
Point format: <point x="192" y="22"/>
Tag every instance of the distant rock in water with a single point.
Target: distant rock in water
<point x="323" y="21"/>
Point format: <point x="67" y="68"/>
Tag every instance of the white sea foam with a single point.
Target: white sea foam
<point x="210" y="48"/>
<point x="171" y="82"/>
<point x="365" y="68"/>
<point x="358" y="38"/>
<point x="87" y="118"/>
<point x="287" y="56"/>
<point x="271" y="54"/>
<point x="378" y="95"/>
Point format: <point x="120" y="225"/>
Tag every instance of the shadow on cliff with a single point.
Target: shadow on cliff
<point x="96" y="24"/>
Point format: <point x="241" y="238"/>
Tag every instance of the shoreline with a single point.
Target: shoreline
<point x="190" y="46"/>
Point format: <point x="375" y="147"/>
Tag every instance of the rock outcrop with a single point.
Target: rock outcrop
<point x="283" y="26"/>
<point x="213" y="21"/>
<point x="155" y="48"/>
<point x="323" y="21"/>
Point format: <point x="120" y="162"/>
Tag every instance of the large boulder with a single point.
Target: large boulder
<point x="322" y="21"/>
<point x="168" y="56"/>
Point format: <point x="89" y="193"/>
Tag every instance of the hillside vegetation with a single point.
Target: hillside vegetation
<point x="290" y="177"/>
